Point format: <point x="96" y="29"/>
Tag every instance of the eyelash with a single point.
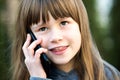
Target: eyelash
<point x="63" y="23"/>
<point x="43" y="29"/>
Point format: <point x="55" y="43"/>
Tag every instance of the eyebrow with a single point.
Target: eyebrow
<point x="41" y="23"/>
<point x="63" y="18"/>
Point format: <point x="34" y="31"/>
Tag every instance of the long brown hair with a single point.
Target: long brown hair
<point x="88" y="62"/>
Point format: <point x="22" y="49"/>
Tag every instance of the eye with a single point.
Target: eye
<point x="63" y="23"/>
<point x="43" y="29"/>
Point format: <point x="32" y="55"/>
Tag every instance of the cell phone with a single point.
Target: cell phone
<point x="44" y="59"/>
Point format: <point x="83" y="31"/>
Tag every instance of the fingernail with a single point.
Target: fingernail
<point x="45" y="50"/>
<point x="28" y="35"/>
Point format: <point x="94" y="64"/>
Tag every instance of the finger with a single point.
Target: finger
<point x="33" y="46"/>
<point x="39" y="52"/>
<point x="26" y="44"/>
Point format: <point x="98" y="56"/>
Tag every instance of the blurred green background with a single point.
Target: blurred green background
<point x="104" y="23"/>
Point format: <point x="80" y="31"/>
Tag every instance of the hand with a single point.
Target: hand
<point x="32" y="58"/>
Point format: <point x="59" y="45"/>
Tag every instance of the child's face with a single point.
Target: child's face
<point x="61" y="37"/>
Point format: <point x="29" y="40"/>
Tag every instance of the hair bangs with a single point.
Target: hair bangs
<point x="61" y="8"/>
<point x="39" y="10"/>
<point x="33" y="16"/>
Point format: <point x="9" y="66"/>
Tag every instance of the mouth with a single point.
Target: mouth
<point x="58" y="50"/>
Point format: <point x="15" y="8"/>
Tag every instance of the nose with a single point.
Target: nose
<point x="56" y="36"/>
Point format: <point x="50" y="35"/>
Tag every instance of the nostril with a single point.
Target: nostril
<point x="56" y="35"/>
<point x="56" y="38"/>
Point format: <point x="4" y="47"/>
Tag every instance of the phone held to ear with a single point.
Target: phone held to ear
<point x="44" y="59"/>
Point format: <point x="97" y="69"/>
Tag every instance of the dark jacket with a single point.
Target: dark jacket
<point x="72" y="75"/>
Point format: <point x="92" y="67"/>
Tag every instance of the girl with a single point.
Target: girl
<point x="62" y="29"/>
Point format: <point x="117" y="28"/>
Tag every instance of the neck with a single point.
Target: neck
<point x="66" y="67"/>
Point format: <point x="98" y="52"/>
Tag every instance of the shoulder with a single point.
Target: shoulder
<point x="111" y="72"/>
<point x="38" y="78"/>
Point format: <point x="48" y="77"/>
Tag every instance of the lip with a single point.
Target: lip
<point x="58" y="50"/>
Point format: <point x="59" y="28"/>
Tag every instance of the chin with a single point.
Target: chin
<point x="61" y="61"/>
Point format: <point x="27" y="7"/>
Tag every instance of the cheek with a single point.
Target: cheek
<point x="75" y="39"/>
<point x="45" y="41"/>
<point x="74" y="35"/>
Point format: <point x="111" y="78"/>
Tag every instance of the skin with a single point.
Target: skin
<point x="60" y="40"/>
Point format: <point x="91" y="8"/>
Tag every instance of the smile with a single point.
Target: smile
<point x="59" y="50"/>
